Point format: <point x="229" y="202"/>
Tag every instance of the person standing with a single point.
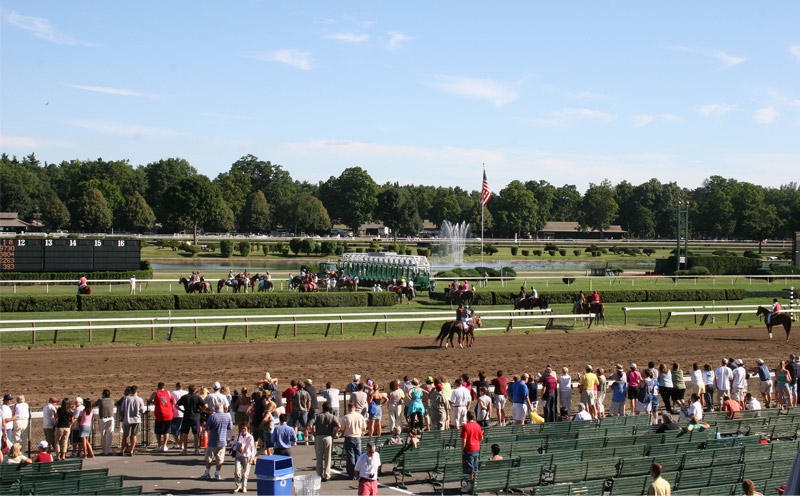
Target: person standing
<point x="283" y="437"/>
<point x="678" y="386"/>
<point x="325" y="427"/>
<point x="191" y="404"/>
<point x="471" y="437"/>
<point x="301" y="402"/>
<point x="331" y="395"/>
<point x="659" y="487"/>
<point x="133" y="284"/>
<point x="177" y="417"/>
<point x="483" y="407"/>
<point x="22" y="414"/>
<point x="353" y="427"/>
<point x="245" y="447"/>
<point x="162" y="399"/>
<point x="219" y="426"/>
<point x="665" y="386"/>
<point x="368" y="467"/>
<point x="460" y="399"/>
<point x="105" y="420"/>
<point x="619" y="390"/>
<point x="723" y="377"/>
<point x="708" y="380"/>
<point x="565" y="389"/>
<point x="395" y="405"/>
<point x="7" y="424"/>
<point x="549" y="388"/>
<point x="520" y="401"/>
<point x="131" y="410"/>
<point x="765" y="387"/>
<point x="794" y="371"/>
<point x="313" y="407"/>
<point x="64" y="420"/>
<point x="500" y="384"/>
<point x="739" y="382"/>
<point x="216" y="398"/>
<point x="49" y="423"/>
<point x="437" y="408"/>
<point x="588" y="388"/>
<point x="634" y="377"/>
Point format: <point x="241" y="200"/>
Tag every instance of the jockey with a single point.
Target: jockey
<point x="268" y="276"/>
<point x="775" y="310"/>
<point x="460" y="313"/>
<point x="522" y="293"/>
<point x="200" y="277"/>
<point x="465" y="287"/>
<point x="403" y="281"/>
<point x="595" y="298"/>
<point x="534" y="294"/>
<point x="411" y="287"/>
<point x="82" y="283"/>
<point x="394" y="281"/>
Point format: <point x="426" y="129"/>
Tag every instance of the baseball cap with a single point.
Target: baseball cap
<point x="760" y="361"/>
<point x="633" y="365"/>
<point x="42" y="445"/>
<point x="236" y="391"/>
<point x="797" y="358"/>
<point x="429" y="379"/>
<point x="724" y="360"/>
<point x="53" y="399"/>
<point x="7" y="397"/>
<point x="78" y="400"/>
<point x="739" y="361"/>
<point x="356" y="377"/>
<point x="216" y="385"/>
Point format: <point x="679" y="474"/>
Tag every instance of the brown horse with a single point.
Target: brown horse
<point x="86" y="290"/>
<point x="780" y="319"/>
<point x="531" y="303"/>
<point x="347" y="284"/>
<point x="197" y="286"/>
<point x="401" y="291"/>
<point x="460" y="298"/>
<point x="599" y="309"/>
<point x="237" y="284"/>
<point x="466" y="335"/>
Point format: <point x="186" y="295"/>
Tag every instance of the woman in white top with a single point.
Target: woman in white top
<point x="245" y="447"/>
<point x="15" y="456"/>
<point x="565" y="389"/>
<point x="698" y="384"/>
<point x="708" y="382"/>
<point x="22" y="413"/>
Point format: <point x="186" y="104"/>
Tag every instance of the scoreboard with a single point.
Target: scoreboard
<point x="796" y="249"/>
<point x="68" y="255"/>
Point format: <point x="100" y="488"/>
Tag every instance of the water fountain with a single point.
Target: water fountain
<point x="453" y="238"/>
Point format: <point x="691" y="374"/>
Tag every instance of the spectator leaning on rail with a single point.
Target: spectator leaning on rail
<point x="765" y="386"/>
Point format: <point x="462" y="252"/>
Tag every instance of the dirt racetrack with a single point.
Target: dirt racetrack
<point x="68" y="371"/>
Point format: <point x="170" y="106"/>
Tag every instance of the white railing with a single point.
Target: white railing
<point x="226" y="322"/>
<point x="692" y="307"/>
<point x="707" y="313"/>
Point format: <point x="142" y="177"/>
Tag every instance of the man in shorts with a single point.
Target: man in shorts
<point x="219" y="427"/>
<point x="191" y="404"/>
<point x="634" y="378"/>
<point x="177" y="416"/>
<point x="587" y="387"/>
<point x="301" y="402"/>
<point x="131" y="410"/>
<point x="500" y="384"/>
<point x="739" y="383"/>
<point x="766" y="386"/>
<point x="471" y="437"/>
<point x="794" y="370"/>
<point x="520" y="401"/>
<point x="162" y="399"/>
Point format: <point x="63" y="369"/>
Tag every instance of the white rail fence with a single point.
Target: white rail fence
<point x="247" y="321"/>
<point x="661" y="310"/>
<point x="710" y="313"/>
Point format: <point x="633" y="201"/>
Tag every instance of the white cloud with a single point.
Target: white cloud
<point x="641" y="120"/>
<point x="42" y="28"/>
<point x="123" y="129"/>
<point x="560" y="118"/>
<point x="232" y="117"/>
<point x="111" y="91"/>
<point x="717" y="109"/>
<point x="795" y="50"/>
<point x="396" y="38"/>
<point x="727" y="60"/>
<point x="30" y="143"/>
<point x="477" y="89"/>
<point x="349" y="37"/>
<point x="672" y="118"/>
<point x="766" y="115"/>
<point x="295" y="58"/>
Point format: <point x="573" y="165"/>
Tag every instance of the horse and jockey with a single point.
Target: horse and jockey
<point x="196" y="283"/>
<point x="403" y="288"/>
<point x="460" y="293"/>
<point x="239" y="282"/>
<point x="774" y="316"/>
<point x="528" y="301"/>
<point x="306" y="282"/>
<point x="463" y="326"/>
<point x="83" y="286"/>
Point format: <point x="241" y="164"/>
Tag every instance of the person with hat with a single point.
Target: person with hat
<point x="722" y="385"/>
<point x="75" y="428"/>
<point x="7" y="421"/>
<point x="42" y="455"/>
<point x="765" y="386"/>
<point x="437" y="407"/>
<point x="49" y="422"/>
<point x="634" y="378"/>
<point x="739" y="382"/>
<point x="216" y="398"/>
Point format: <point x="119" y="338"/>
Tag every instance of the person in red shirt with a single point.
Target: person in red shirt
<point x="163" y="402"/>
<point x="42" y="455"/>
<point x="500" y="384"/>
<point x="471" y="436"/>
<point x="287" y="395"/>
<point x="730" y="406"/>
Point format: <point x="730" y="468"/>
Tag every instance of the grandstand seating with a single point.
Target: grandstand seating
<point x="60" y="477"/>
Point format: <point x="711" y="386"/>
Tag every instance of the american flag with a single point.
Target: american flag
<point x="486" y="193"/>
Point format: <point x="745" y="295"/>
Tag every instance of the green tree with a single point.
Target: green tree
<point x="598" y="207"/>
<point x="515" y="210"/>
<point x="351" y="197"/>
<point x="55" y="214"/>
<point x="296" y="244"/>
<point x="235" y="187"/>
<point x="159" y="177"/>
<point x="712" y="213"/>
<point x="307" y="214"/>
<point x="194" y="200"/>
<point x="308" y="245"/>
<point x="272" y="179"/>
<point x="474" y="218"/>
<point x="244" y="248"/>
<point x="760" y="222"/>
<point x="446" y="206"/>
<point x="256" y="216"/>
<point x="566" y="203"/>
<point x="93" y="214"/>
<point x="226" y="248"/>
<point x="398" y="212"/>
<point x="222" y="220"/>
<point x="137" y="215"/>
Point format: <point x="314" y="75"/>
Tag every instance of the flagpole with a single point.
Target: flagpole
<point x="482" y="207"/>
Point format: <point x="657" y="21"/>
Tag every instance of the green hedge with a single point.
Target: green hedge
<point x="65" y="276"/>
<point x="382" y="299"/>
<point x="32" y="303"/>
<point x="270" y="300"/>
<point x="122" y="303"/>
<point x="613" y="296"/>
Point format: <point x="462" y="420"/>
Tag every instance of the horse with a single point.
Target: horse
<point x="85" y="290"/>
<point x="347" y="284"/>
<point x="460" y="297"/>
<point x="599" y="309"/>
<point x="295" y="283"/>
<point x="237" y="284"/>
<point x="531" y="303"/>
<point x="401" y="291"/>
<point x="780" y="319"/>
<point x="451" y="328"/>
<point x="267" y="286"/>
<point x="306" y="287"/>
<point x="198" y="286"/>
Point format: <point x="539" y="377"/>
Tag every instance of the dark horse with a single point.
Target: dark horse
<point x="780" y="319"/>
<point x="460" y="297"/>
<point x="598" y="308"/>
<point x="451" y="328"/>
<point x="255" y="282"/>
<point x="237" y="284"/>
<point x="198" y="286"/>
<point x="86" y="290"/>
<point x="531" y="303"/>
<point x="401" y="291"/>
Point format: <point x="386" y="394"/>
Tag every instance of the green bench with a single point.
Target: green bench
<point x="491" y="481"/>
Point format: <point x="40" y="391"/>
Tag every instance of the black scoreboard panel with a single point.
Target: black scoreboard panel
<point x="69" y="255"/>
<point x="21" y="255"/>
<point x="796" y="249"/>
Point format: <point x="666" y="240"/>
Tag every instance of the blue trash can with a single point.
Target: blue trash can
<point x="274" y="475"/>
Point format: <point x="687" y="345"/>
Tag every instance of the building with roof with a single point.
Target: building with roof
<point x="571" y="230"/>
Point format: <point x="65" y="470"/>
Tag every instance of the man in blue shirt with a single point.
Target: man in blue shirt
<point x="521" y="403"/>
<point x="794" y="370"/>
<point x="765" y="387"/>
<point x="219" y="427"/>
<point x="283" y="436"/>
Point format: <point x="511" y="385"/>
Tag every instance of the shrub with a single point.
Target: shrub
<point x="508" y="272"/>
<point x="423" y="252"/>
<point x="31" y="303"/>
<point x="122" y="303"/>
<point x="649" y="251"/>
<point x="488" y="270"/>
<point x="723" y="253"/>
<point x="596" y="253"/>
<point x="359" y="250"/>
<point x="489" y="249"/>
<point x="751" y="254"/>
<point x="340" y="248"/>
<point x="537" y="253"/>
<point x="226" y="248"/>
<point x="244" y="248"/>
<point x="568" y="280"/>
<point x="192" y="250"/>
<point x="783" y="270"/>
<point x="284" y="249"/>
<point x="699" y="270"/>
<point x="374" y="246"/>
<point x="525" y="253"/>
<point x="514" y="250"/>
<point x="382" y="299"/>
<point x="279" y="300"/>
<point x="577" y="253"/>
<point x="551" y="252"/>
<point x="308" y="245"/>
<point x="550" y="246"/>
<point x="562" y="252"/>
<point x="168" y="243"/>
<point x="295" y="244"/>
<point x="265" y="249"/>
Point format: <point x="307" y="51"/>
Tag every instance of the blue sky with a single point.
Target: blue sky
<point x="419" y="92"/>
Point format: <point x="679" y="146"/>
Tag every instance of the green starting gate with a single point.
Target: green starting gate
<point x="380" y="267"/>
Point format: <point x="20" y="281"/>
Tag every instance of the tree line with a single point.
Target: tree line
<point x="258" y="196"/>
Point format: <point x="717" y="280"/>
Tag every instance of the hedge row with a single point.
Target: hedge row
<point x="121" y="303"/>
<point x="613" y="296"/>
<point x="66" y="276"/>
